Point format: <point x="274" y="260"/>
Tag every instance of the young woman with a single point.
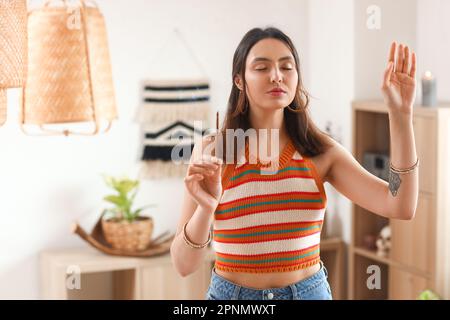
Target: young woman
<point x="267" y="226"/>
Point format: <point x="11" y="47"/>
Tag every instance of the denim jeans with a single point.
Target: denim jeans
<point x="315" y="287"/>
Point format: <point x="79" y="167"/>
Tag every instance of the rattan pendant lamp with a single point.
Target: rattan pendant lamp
<point x="69" y="78"/>
<point x="13" y="43"/>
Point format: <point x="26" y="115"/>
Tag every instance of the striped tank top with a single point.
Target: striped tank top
<point x="269" y="222"/>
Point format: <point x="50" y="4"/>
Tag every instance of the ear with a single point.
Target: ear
<point x="238" y="82"/>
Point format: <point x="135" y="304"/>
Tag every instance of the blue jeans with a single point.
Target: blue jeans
<point x="315" y="287"/>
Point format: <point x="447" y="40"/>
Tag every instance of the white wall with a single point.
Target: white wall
<point x="399" y="23"/>
<point x="46" y="183"/>
<point x="330" y="83"/>
<point x="433" y="43"/>
<point x="422" y="24"/>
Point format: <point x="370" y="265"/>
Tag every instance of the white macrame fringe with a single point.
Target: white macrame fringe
<point x="158" y="169"/>
<point x="160" y="113"/>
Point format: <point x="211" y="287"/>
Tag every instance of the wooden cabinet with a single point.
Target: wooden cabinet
<point x="425" y="135"/>
<point x="111" y="277"/>
<point x="404" y="285"/>
<point x="85" y="273"/>
<point x="419" y="258"/>
<point x="163" y="282"/>
<point x="412" y="240"/>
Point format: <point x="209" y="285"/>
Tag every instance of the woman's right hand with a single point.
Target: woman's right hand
<point x="203" y="181"/>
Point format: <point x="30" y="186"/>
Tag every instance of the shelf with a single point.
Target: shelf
<point x="103" y="276"/>
<point x="388" y="261"/>
<point x="378" y="106"/>
<point x="418" y="258"/>
<point x="372" y="255"/>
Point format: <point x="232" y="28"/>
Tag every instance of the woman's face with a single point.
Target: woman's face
<point x="270" y="65"/>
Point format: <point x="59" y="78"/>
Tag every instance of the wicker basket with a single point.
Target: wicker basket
<point x="13" y="48"/>
<point x="131" y="236"/>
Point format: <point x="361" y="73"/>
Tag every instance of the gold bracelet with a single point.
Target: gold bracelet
<point x="194" y="245"/>
<point x="404" y="171"/>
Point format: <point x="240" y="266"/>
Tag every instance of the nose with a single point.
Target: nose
<point x="276" y="76"/>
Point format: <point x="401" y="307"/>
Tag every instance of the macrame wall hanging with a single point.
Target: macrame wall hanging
<point x="170" y="114"/>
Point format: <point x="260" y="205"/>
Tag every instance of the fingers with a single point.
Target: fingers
<point x="406" y="61"/>
<point x="207" y="166"/>
<point x="413" y="65"/>
<point x="399" y="66"/>
<point x="208" y="159"/>
<point x="201" y="170"/>
<point x="392" y="52"/>
<point x="387" y="74"/>
<point x="193" y="177"/>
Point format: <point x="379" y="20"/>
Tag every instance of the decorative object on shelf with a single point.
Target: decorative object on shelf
<point x="384" y="241"/>
<point x="158" y="245"/>
<point x="126" y="229"/>
<point x="429" y="90"/>
<point x="377" y="164"/>
<point x="369" y="242"/>
<point x="13" y="49"/>
<point x="69" y="78"/>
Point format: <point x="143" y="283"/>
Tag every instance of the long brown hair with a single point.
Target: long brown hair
<point x="307" y="138"/>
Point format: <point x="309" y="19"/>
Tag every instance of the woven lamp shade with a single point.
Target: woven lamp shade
<point x="69" y="77"/>
<point x="13" y="48"/>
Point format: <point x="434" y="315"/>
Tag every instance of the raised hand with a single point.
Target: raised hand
<point x="203" y="182"/>
<point x="399" y="82"/>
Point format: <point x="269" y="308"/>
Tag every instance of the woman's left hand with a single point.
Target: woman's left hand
<point x="399" y="83"/>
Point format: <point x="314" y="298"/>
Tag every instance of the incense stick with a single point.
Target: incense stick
<point x="217" y="121"/>
<point x="217" y="134"/>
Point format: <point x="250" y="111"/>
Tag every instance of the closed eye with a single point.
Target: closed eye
<point x="262" y="69"/>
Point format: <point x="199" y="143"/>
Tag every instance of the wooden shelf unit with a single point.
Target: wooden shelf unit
<point x="111" y="277"/>
<point x="420" y="255"/>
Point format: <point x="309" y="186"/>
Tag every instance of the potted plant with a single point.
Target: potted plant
<point x="428" y="295"/>
<point x="124" y="227"/>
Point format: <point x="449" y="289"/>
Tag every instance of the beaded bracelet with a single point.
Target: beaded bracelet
<point x="405" y="171"/>
<point x="194" y="245"/>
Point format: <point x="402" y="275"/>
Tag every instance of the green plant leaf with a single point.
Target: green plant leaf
<point x="108" y="180"/>
<point x="428" y="295"/>
<point x="138" y="211"/>
<point x="133" y="196"/>
<point x="128" y="185"/>
<point x="123" y="200"/>
<point x="117" y="200"/>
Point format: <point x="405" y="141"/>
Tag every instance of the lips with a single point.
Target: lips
<point x="277" y="90"/>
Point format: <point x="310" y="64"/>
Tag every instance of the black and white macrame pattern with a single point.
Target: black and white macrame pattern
<point x="173" y="115"/>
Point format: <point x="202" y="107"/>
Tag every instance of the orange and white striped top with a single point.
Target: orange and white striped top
<point x="269" y="222"/>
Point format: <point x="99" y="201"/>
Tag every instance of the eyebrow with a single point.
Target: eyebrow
<point x="267" y="59"/>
